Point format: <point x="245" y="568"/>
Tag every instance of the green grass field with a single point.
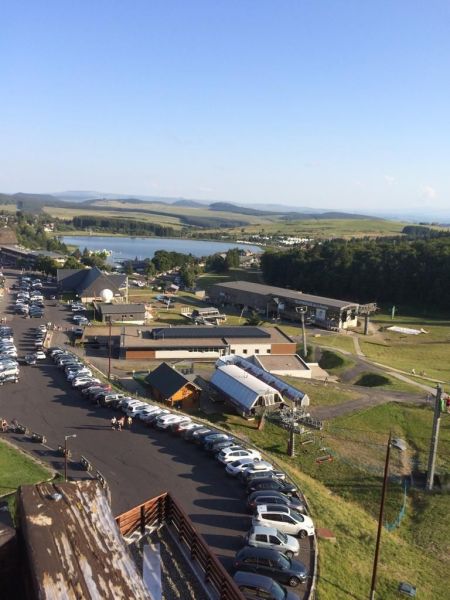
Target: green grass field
<point x="16" y="468"/>
<point x="340" y="341"/>
<point x="427" y="353"/>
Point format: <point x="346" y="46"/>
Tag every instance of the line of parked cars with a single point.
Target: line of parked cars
<point x="9" y="366"/>
<point x="279" y="514"/>
<point x="29" y="298"/>
<point x="38" y="335"/>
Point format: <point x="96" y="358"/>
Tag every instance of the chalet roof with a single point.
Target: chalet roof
<point x="89" y="282"/>
<point x="167" y="380"/>
<point x="73" y="546"/>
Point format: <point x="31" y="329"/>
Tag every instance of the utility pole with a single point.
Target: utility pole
<point x="380" y="520"/>
<point x="434" y="439"/>
<point x="109" y="350"/>
<point x="302" y="310"/>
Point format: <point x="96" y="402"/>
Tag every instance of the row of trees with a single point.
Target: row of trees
<point x="124" y="226"/>
<point x="398" y="270"/>
<point x="30" y="233"/>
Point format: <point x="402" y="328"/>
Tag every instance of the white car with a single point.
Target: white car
<point x="148" y="409"/>
<point x="262" y="466"/>
<point x="127" y="403"/>
<point x="81" y="381"/>
<point x="150" y="416"/>
<point x="165" y="421"/>
<point x="285" y="519"/>
<point x="39" y="355"/>
<point x="235" y="467"/>
<point x="77" y="374"/>
<point x="9" y="353"/>
<point x="132" y="410"/>
<point x="231" y="454"/>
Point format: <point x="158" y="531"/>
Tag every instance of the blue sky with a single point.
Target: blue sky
<point x="335" y="104"/>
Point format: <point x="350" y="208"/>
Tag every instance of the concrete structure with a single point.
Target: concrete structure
<point x="244" y="391"/>
<point x="280" y="302"/>
<point x="203" y="342"/>
<point x="15" y="255"/>
<point x="171" y="387"/>
<point x="120" y="313"/>
<point x="88" y="283"/>
<point x="291" y="365"/>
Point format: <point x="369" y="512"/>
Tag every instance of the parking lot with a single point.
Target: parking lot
<point x="137" y="464"/>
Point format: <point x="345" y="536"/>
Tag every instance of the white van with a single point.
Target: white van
<point x="283" y="518"/>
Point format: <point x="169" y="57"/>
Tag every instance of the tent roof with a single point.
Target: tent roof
<point x="243" y="388"/>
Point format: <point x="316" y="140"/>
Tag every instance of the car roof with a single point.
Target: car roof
<point x="244" y="578"/>
<point x="262" y="529"/>
<point x="257" y="551"/>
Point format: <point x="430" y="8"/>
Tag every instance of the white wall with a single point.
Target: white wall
<point x="251" y="349"/>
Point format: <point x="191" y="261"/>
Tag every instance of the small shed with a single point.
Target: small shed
<point x="72" y="545"/>
<point x="244" y="391"/>
<point x="120" y="313"/>
<point x="169" y="386"/>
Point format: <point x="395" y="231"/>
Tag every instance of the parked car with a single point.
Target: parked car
<point x="235" y="467"/>
<point x="283" y="518"/>
<point x="134" y="409"/>
<point x="230" y="455"/>
<point x="260" y="536"/>
<point x="271" y="484"/>
<point x="272" y="497"/>
<point x="217" y="447"/>
<point x="164" y="421"/>
<point x="182" y="426"/>
<point x="188" y="433"/>
<point x="40" y="355"/>
<point x="11" y="378"/>
<point x="150" y="418"/>
<point x="271" y="563"/>
<point x="208" y="440"/>
<point x="30" y="359"/>
<point x="264" y="474"/>
<point x="185" y="421"/>
<point x="80" y="382"/>
<point x="261" y="466"/>
<point x="252" y="586"/>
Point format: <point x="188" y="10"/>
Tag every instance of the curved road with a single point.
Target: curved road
<point x="137" y="464"/>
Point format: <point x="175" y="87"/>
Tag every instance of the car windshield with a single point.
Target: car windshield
<point x="284" y="562"/>
<point x="277" y="592"/>
<point x="297" y="516"/>
<point x="281" y="536"/>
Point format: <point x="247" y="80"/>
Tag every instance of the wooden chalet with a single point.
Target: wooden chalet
<point x="171" y="387"/>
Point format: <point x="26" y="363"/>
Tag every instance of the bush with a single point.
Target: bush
<point x="372" y="380"/>
<point x="331" y="360"/>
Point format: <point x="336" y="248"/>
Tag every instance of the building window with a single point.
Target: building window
<point x="269" y="351"/>
<point x="256" y="350"/>
<point x="244" y="351"/>
<point x="232" y="351"/>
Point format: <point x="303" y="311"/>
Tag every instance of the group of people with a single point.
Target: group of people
<point x="119" y="424"/>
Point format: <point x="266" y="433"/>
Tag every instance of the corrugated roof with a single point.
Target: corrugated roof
<point x="166" y="333"/>
<point x="73" y="546"/>
<point x="273" y="291"/>
<point x="241" y="387"/>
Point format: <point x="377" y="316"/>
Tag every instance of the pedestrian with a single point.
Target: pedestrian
<point x="113" y="423"/>
<point x="129" y="421"/>
<point x="4" y="425"/>
<point x="120" y="423"/>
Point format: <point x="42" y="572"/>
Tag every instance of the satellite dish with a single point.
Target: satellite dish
<point x="106" y="295"/>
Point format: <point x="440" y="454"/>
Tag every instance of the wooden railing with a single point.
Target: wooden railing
<point x="165" y="510"/>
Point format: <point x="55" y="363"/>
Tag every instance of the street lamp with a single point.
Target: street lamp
<point x="399" y="445"/>
<point x="66" y="437"/>
<point x="109" y="349"/>
<point x="302" y="311"/>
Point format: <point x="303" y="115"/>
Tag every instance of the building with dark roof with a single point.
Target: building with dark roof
<point x="171" y="387"/>
<point x="203" y="342"/>
<point x="120" y="313"/>
<point x="88" y="283"/>
<point x="272" y="301"/>
<point x="13" y="254"/>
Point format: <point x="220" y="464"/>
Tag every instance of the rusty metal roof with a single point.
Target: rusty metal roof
<point x="73" y="546"/>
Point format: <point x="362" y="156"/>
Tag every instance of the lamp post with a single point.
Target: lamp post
<point x="109" y="350"/>
<point x="302" y="311"/>
<point x="400" y="445"/>
<point x="66" y="437"/>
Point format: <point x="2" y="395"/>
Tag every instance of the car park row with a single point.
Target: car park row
<point x="279" y="514"/>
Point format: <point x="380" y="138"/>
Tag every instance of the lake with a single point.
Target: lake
<point x="126" y="248"/>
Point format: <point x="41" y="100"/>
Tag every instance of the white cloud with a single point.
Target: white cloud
<point x="389" y="179"/>
<point x="429" y="192"/>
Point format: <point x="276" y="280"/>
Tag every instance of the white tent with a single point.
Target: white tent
<point x="244" y="390"/>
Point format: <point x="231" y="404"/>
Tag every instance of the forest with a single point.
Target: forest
<point x="124" y="226"/>
<point x="411" y="272"/>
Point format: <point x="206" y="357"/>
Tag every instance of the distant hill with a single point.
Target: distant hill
<point x="189" y="203"/>
<point x="240" y="210"/>
<point x="331" y="215"/>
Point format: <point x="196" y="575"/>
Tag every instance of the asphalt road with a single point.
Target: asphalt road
<point x="137" y="464"/>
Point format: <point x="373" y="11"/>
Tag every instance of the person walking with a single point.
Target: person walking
<point x="113" y="423"/>
<point x="120" y="423"/>
<point x="129" y="422"/>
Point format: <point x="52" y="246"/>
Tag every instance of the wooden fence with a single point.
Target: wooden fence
<point x="164" y="510"/>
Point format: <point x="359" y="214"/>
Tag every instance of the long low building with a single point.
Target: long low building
<point x="280" y="302"/>
<point x="15" y="255"/>
<point x="203" y="342"/>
